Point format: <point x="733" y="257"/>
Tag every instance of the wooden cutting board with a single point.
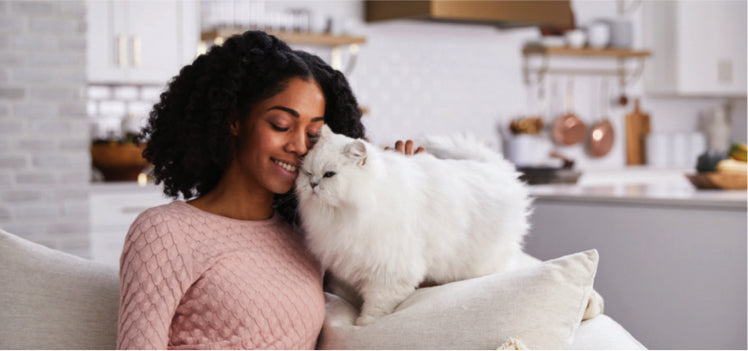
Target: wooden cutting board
<point x="637" y="128"/>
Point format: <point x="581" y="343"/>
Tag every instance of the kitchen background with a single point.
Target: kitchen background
<point x="72" y="72"/>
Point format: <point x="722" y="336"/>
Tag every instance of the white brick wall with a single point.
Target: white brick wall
<point x="44" y="158"/>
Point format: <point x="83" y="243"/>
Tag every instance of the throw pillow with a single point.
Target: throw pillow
<point x="540" y="306"/>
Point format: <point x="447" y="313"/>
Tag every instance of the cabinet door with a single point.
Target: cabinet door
<point x="106" y="41"/>
<point x="140" y="41"/>
<point x="712" y="47"/>
<point x="154" y="40"/>
<point x="699" y="47"/>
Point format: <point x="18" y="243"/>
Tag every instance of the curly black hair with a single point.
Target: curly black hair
<point x="188" y="131"/>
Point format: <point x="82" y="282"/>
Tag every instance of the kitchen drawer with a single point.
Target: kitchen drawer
<point x="117" y="210"/>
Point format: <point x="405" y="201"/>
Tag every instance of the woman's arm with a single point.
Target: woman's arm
<point x="155" y="272"/>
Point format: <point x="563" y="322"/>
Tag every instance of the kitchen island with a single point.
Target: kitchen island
<point x="672" y="258"/>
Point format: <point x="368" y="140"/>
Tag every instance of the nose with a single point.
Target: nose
<point x="314" y="184"/>
<point x="298" y="143"/>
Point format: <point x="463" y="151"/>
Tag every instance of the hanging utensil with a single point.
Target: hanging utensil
<point x="601" y="134"/>
<point x="623" y="100"/>
<point x="568" y="129"/>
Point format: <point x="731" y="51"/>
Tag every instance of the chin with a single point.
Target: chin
<point x="280" y="188"/>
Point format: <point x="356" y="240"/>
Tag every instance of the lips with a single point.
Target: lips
<point x="291" y="167"/>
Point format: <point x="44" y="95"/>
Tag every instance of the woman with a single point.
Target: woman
<point x="226" y="269"/>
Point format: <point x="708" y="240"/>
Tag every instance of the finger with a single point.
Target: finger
<point x="409" y="147"/>
<point x="399" y="146"/>
<point x="420" y="149"/>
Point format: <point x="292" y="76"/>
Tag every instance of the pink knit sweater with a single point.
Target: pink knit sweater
<point x="194" y="280"/>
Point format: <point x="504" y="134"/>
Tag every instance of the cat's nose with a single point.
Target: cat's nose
<point x="314" y="184"/>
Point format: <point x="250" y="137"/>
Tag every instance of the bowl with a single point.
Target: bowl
<point x="575" y="38"/>
<point x="717" y="180"/>
<point x="119" y="161"/>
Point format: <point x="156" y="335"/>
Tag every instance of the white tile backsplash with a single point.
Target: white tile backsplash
<point x="109" y="104"/>
<point x="99" y="92"/>
<point x="126" y="93"/>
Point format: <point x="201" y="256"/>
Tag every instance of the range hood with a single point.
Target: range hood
<point x="502" y="13"/>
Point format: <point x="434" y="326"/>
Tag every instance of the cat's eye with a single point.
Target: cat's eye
<point x="328" y="174"/>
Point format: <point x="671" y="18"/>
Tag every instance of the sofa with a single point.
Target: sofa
<point x="53" y="300"/>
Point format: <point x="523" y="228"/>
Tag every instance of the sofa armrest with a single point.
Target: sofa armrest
<point x="53" y="300"/>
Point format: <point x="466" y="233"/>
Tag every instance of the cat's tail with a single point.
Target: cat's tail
<point x="459" y="147"/>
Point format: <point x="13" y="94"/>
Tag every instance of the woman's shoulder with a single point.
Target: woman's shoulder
<point x="168" y="212"/>
<point x="163" y="220"/>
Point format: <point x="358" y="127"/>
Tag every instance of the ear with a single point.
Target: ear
<point x="234" y="127"/>
<point x="325" y="132"/>
<point x="357" y="151"/>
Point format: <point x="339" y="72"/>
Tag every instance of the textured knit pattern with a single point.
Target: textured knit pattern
<point x="194" y="280"/>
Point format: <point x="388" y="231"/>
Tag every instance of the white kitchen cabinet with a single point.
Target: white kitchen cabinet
<point x="140" y="42"/>
<point x="113" y="208"/>
<point x="699" y="47"/>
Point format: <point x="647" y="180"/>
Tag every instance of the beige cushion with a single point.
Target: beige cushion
<point x="603" y="333"/>
<point x="540" y="305"/>
<point x="53" y="300"/>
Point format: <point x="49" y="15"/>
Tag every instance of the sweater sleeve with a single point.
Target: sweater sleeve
<point x="155" y="273"/>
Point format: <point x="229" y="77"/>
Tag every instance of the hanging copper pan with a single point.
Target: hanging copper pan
<point x="568" y="129"/>
<point x="601" y="134"/>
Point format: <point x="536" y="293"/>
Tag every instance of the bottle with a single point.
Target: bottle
<point x="718" y="130"/>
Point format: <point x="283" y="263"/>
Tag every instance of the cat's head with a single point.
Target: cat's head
<point x="331" y="170"/>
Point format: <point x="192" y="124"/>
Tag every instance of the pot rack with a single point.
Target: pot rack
<point x="625" y="73"/>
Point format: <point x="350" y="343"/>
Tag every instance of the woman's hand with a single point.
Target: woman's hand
<point x="406" y="148"/>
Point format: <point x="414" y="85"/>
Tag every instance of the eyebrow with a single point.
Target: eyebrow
<point x="293" y="112"/>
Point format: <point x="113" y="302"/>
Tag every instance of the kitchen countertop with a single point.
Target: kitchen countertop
<point x="629" y="186"/>
<point x="640" y="186"/>
<point x="124" y="187"/>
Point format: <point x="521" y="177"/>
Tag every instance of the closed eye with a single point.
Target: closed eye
<point x="328" y="174"/>
<point x="279" y="128"/>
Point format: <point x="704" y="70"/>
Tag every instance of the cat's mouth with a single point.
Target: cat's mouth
<point x="285" y="165"/>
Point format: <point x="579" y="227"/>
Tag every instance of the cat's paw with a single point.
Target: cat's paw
<point x="365" y="320"/>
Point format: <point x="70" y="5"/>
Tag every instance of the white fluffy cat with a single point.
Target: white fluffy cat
<point x="384" y="222"/>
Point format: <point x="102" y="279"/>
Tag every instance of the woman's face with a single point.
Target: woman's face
<point x="275" y="136"/>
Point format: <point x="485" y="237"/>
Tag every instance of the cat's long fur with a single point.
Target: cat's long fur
<point x="384" y="222"/>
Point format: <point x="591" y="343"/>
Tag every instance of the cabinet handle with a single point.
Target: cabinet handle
<point x="134" y="209"/>
<point x="724" y="71"/>
<point x="136" y="51"/>
<point x="121" y="53"/>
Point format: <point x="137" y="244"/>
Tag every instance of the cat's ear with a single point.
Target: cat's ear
<point x="357" y="151"/>
<point x="325" y="132"/>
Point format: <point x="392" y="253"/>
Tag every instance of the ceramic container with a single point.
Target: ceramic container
<point x="575" y="38"/>
<point x="598" y="35"/>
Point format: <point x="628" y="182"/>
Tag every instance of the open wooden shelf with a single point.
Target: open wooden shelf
<point x="625" y="73"/>
<point x="289" y="37"/>
<point x="583" y="52"/>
